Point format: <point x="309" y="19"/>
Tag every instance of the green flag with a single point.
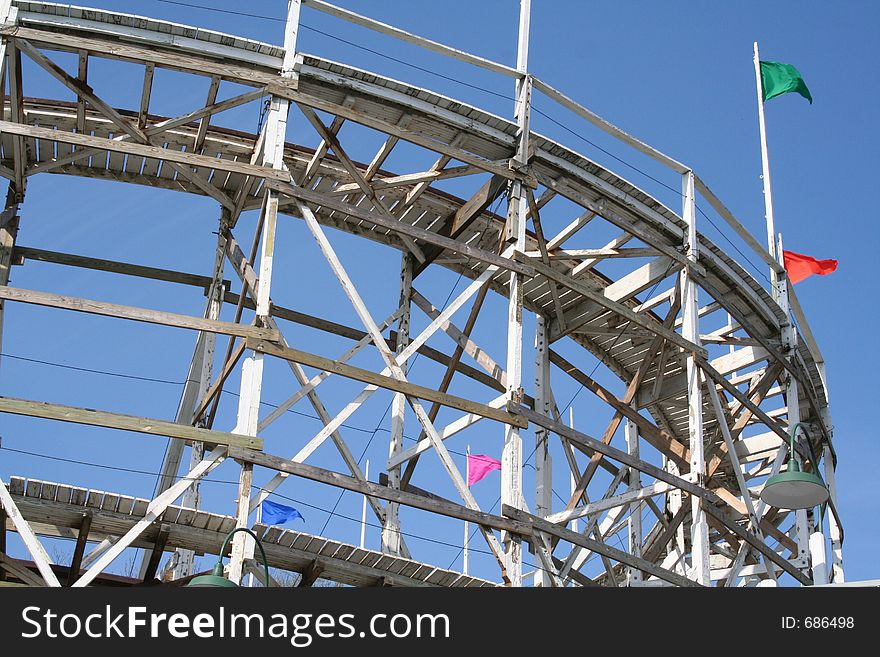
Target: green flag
<point x="778" y="79"/>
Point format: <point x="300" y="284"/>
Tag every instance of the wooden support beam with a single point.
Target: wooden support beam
<point x="328" y="202"/>
<point x="2" y="539"/>
<point x="311" y="574"/>
<point x="145" y="150"/>
<point x="664" y="442"/>
<point x="33" y="545"/>
<point x="154" y="511"/>
<point x="598" y="547"/>
<point x="17" y="568"/>
<point x="156" y="554"/>
<point x="462" y="218"/>
<point x="593" y="445"/>
<point x="404" y="180"/>
<point x="390" y="383"/>
<point x="115" y="267"/>
<point x="352" y="168"/>
<point x="136" y="314"/>
<point x="614" y="306"/>
<point x="82" y="539"/>
<point x="134" y="423"/>
<point x="407" y="498"/>
<point x="146" y="93"/>
<point x="82" y="76"/>
<point x="114" y="49"/>
<point x="448" y="374"/>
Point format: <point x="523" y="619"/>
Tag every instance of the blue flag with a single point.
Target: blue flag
<point x="278" y="514"/>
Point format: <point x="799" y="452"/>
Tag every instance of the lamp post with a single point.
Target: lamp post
<point x="216" y="578"/>
<point x="794" y="489"/>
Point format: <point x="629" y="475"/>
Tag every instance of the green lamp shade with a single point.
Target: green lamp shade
<point x="214" y="579"/>
<point x="794" y="489"/>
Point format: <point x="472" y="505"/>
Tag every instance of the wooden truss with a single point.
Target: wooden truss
<point x="704" y="412"/>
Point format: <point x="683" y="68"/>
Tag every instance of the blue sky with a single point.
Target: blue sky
<point x="679" y="77"/>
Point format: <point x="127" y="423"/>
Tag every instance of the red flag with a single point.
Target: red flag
<point x="479" y="465"/>
<point x="801" y="266"/>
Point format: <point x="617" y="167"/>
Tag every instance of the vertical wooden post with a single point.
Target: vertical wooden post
<point x="543" y="461"/>
<point x="465" y="546"/>
<point x="690" y="331"/>
<point x="515" y="238"/>
<point x="391" y="526"/>
<point x="792" y="395"/>
<point x="634" y="523"/>
<point x="252" y="367"/>
<point x="573" y="480"/>
<point x="2" y="540"/>
<point x="837" y="574"/>
<point x="8" y="233"/>
<point x="197" y="382"/>
<point x="364" y="507"/>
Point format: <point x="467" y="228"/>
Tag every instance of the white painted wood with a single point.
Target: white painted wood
<point x="391" y="528"/>
<point x="721" y="420"/>
<point x="393" y="367"/>
<point x="154" y="511"/>
<point x="543" y="460"/>
<point x="634" y="522"/>
<point x="834" y="529"/>
<point x="33" y="545"/>
<point x="319" y="378"/>
<point x="818" y="558"/>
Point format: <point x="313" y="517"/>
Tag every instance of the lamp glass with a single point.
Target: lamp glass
<point x="794" y="490"/>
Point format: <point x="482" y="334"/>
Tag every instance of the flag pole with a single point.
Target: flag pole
<point x="364" y="507"/>
<point x="464" y="549"/>
<point x="765" y="164"/>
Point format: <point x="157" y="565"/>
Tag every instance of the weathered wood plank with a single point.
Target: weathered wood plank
<point x="366" y="376"/>
<point x="153" y="427"/>
<point x="136" y="314"/>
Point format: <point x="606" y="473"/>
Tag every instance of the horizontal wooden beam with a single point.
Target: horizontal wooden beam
<point x="114" y="266"/>
<point x="144" y="150"/>
<point x="335" y="328"/>
<point x="370" y="489"/>
<point x="113" y="48"/>
<point x="136" y="314"/>
<point x="387" y="382"/>
<point x="134" y="423"/>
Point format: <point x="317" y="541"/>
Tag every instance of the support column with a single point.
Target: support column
<point x="252" y="368"/>
<point x="673" y="506"/>
<point x="837" y="575"/>
<point x="515" y="238"/>
<point x="690" y="331"/>
<point x="9" y="221"/>
<point x="391" y="527"/>
<point x="792" y="396"/>
<point x="543" y="461"/>
<point x="634" y="522"/>
<point x="192" y="497"/>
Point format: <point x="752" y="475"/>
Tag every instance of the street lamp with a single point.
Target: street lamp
<point x="794" y="489"/>
<point x="216" y="577"/>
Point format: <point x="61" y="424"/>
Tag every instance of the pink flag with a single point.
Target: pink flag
<point x="479" y="465"/>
